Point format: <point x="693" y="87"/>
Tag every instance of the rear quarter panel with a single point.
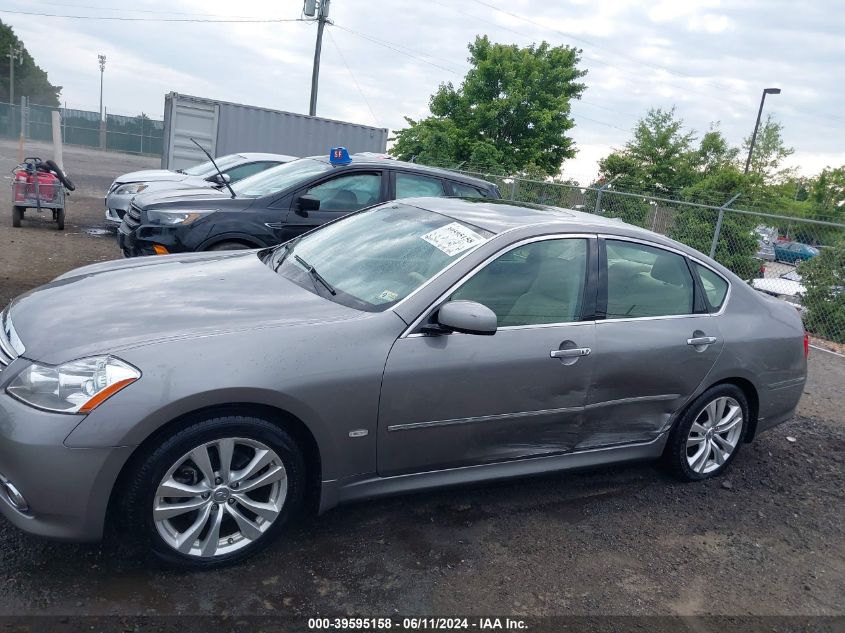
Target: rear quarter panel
<point x="764" y="344"/>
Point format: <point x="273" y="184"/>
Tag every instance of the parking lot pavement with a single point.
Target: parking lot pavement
<point x="767" y="538"/>
<point x="776" y="269"/>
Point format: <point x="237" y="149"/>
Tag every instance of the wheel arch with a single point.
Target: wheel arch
<point x="275" y="415"/>
<point x="240" y="238"/>
<point x="751" y="394"/>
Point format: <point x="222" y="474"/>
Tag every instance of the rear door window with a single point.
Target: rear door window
<point x="415" y="185"/>
<point x="645" y="281"/>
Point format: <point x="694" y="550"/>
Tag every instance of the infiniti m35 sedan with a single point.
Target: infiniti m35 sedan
<point x="415" y="344"/>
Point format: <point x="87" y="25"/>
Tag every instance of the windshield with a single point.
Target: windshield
<point x="375" y="258"/>
<point x="207" y="168"/>
<point x="278" y="178"/>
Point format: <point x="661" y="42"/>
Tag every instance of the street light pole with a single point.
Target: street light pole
<point x="102" y="60"/>
<point x="14" y="54"/>
<point x="322" y="18"/>
<point x="766" y="91"/>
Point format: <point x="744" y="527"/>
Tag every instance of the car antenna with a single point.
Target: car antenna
<point x="222" y="177"/>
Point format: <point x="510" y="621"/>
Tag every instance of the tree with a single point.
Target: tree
<point x="823" y="277"/>
<point x="770" y="151"/>
<point x="659" y="158"/>
<point x="827" y="191"/>
<point x="511" y="112"/>
<point x="30" y="80"/>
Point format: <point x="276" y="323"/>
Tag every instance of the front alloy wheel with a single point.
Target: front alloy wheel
<point x="220" y="497"/>
<point x="709" y="434"/>
<point x="215" y="492"/>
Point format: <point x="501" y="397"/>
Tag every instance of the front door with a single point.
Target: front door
<point x="339" y="195"/>
<point x="653" y="349"/>
<point x="460" y="399"/>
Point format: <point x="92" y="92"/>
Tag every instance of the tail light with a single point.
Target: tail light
<point x="806" y="345"/>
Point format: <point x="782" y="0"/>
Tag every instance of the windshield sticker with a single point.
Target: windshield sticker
<point x="388" y="296"/>
<point x="453" y="238"/>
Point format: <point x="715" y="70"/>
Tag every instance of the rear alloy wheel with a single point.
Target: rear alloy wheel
<point x="709" y="434"/>
<point x="217" y="492"/>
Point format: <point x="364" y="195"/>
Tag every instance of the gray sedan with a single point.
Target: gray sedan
<point x="412" y="345"/>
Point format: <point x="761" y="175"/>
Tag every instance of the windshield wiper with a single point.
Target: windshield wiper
<point x="315" y="275"/>
<point x="285" y="249"/>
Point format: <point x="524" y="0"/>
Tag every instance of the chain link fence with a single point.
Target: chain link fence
<point x="799" y="260"/>
<point x="136" y="135"/>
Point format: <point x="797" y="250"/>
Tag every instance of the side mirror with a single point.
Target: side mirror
<point x="467" y="317"/>
<point x="307" y="203"/>
<point x="222" y="179"/>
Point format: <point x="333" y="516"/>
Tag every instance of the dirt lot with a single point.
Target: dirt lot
<point x="765" y="539"/>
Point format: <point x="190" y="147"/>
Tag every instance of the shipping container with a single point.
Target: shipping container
<point x="226" y="128"/>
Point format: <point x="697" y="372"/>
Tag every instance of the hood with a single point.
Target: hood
<point x="114" y="305"/>
<point x="174" y="198"/>
<point x="150" y="175"/>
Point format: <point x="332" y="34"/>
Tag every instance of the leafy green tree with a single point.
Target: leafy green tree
<point x="694" y="227"/>
<point x="827" y="191"/>
<point x="511" y="112"/>
<point x="659" y="158"/>
<point x="30" y="80"/>
<point x="823" y="277"/>
<point x="769" y="152"/>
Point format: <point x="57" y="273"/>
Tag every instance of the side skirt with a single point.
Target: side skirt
<point x="351" y="489"/>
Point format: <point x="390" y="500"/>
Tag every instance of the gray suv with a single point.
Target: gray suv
<point x="416" y="344"/>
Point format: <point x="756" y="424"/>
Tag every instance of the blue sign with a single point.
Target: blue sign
<point x="339" y="156"/>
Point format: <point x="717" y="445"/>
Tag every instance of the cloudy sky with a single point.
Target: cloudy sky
<point x="383" y="58"/>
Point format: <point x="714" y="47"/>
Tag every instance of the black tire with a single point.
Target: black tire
<point x="676" y="454"/>
<point x="60" y="219"/>
<point x="229" y="246"/>
<point x="60" y="175"/>
<point x="17" y="216"/>
<point x="151" y="468"/>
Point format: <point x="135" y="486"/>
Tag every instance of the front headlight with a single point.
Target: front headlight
<point x="176" y="217"/>
<point x="79" y="386"/>
<point x="135" y="187"/>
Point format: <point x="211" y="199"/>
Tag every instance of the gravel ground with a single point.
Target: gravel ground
<point x="767" y="538"/>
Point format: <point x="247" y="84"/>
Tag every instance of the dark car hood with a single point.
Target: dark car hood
<point x="194" y="198"/>
<point x="114" y="305"/>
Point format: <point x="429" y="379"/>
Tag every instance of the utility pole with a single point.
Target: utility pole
<point x="322" y="14"/>
<point x="15" y="54"/>
<point x="102" y="60"/>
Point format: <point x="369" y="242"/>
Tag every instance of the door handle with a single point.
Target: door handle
<point x="701" y="340"/>
<point x="570" y="353"/>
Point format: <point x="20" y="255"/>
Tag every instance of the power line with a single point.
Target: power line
<point x="392" y="47"/>
<point x="351" y="74"/>
<point x="99" y="7"/>
<point x="132" y="19"/>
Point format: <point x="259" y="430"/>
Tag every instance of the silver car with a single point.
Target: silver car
<point x="235" y="167"/>
<point x="416" y="344"/>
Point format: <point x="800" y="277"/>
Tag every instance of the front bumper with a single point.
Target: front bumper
<point x="142" y="240"/>
<point x="67" y="489"/>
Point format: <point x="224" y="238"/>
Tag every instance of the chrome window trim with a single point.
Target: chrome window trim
<point x="671" y="249"/>
<point x="409" y="331"/>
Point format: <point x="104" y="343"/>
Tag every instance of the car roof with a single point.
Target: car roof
<point x="281" y="158"/>
<point x="367" y="159"/>
<point x="498" y="216"/>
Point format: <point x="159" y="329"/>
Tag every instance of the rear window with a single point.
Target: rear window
<point x="715" y="287"/>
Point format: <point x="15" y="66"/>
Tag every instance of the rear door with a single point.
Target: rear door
<point x="339" y="195"/>
<point x="655" y="342"/>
